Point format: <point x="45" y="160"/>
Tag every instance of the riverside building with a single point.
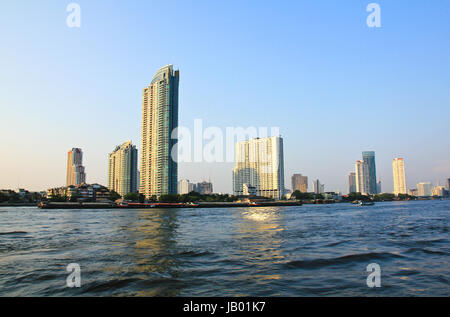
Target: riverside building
<point x="122" y="169"/>
<point x="75" y="169"/>
<point x="159" y="168"/>
<point x="259" y="164"/>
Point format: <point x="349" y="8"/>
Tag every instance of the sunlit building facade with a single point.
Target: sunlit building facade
<point x="260" y="164"/>
<point x="398" y="170"/>
<point x="75" y="170"/>
<point x="185" y="187"/>
<point x="159" y="169"/>
<point x="424" y="189"/>
<point x="299" y="182"/>
<point x="362" y="178"/>
<point x="122" y="169"/>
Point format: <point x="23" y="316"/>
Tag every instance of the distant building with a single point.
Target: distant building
<point x="439" y="191"/>
<point x="159" y="168"/>
<point x="398" y="170"/>
<point x="352" y="183"/>
<point x="447" y="185"/>
<point x="260" y="164"/>
<point x="369" y="159"/>
<point x="185" y="187"/>
<point x="299" y="183"/>
<point x="122" y="169"/>
<point x="204" y="188"/>
<point x="379" y="189"/>
<point x="332" y="196"/>
<point x="75" y="170"/>
<point x="413" y="192"/>
<point x="21" y="192"/>
<point x="318" y="188"/>
<point x="424" y="189"/>
<point x="362" y="179"/>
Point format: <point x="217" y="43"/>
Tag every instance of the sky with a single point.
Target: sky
<point x="334" y="86"/>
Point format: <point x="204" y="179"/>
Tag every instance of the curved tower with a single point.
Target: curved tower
<point x="159" y="170"/>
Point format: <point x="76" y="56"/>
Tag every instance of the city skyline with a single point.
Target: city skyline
<point x="363" y="71"/>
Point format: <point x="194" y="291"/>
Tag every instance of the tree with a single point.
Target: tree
<point x="302" y="196"/>
<point x="384" y="197"/>
<point x="114" y="195"/>
<point x="58" y="198"/>
<point x="3" y="197"/>
<point x="170" y="198"/>
<point x="404" y="197"/>
<point x="356" y="196"/>
<point x="131" y="196"/>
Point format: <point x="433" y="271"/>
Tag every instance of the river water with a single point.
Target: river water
<point x="312" y="250"/>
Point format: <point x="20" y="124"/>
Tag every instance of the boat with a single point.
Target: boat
<point x="365" y="203"/>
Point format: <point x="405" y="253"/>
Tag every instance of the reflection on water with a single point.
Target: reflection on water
<point x="257" y="251"/>
<point x="263" y="215"/>
<point x="259" y="230"/>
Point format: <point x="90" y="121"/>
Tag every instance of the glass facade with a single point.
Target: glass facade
<point x="369" y="159"/>
<point x="159" y="168"/>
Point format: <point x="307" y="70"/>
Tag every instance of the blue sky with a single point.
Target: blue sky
<point x="334" y="86"/>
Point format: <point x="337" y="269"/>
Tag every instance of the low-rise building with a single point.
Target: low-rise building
<point x="82" y="192"/>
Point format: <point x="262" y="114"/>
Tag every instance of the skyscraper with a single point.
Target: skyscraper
<point x="352" y="183"/>
<point x="299" y="183"/>
<point x="369" y="158"/>
<point x="159" y="168"/>
<point x="447" y="185"/>
<point x="75" y="169"/>
<point x="122" y="169"/>
<point x="362" y="179"/>
<point x="398" y="169"/>
<point x="260" y="164"/>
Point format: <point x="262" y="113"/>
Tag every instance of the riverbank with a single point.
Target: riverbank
<point x="18" y="204"/>
<point x="106" y="205"/>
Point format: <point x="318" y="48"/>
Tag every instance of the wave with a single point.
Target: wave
<point x="98" y="286"/>
<point x="12" y="232"/>
<point x="427" y="251"/>
<point x="317" y="263"/>
<point x="194" y="253"/>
